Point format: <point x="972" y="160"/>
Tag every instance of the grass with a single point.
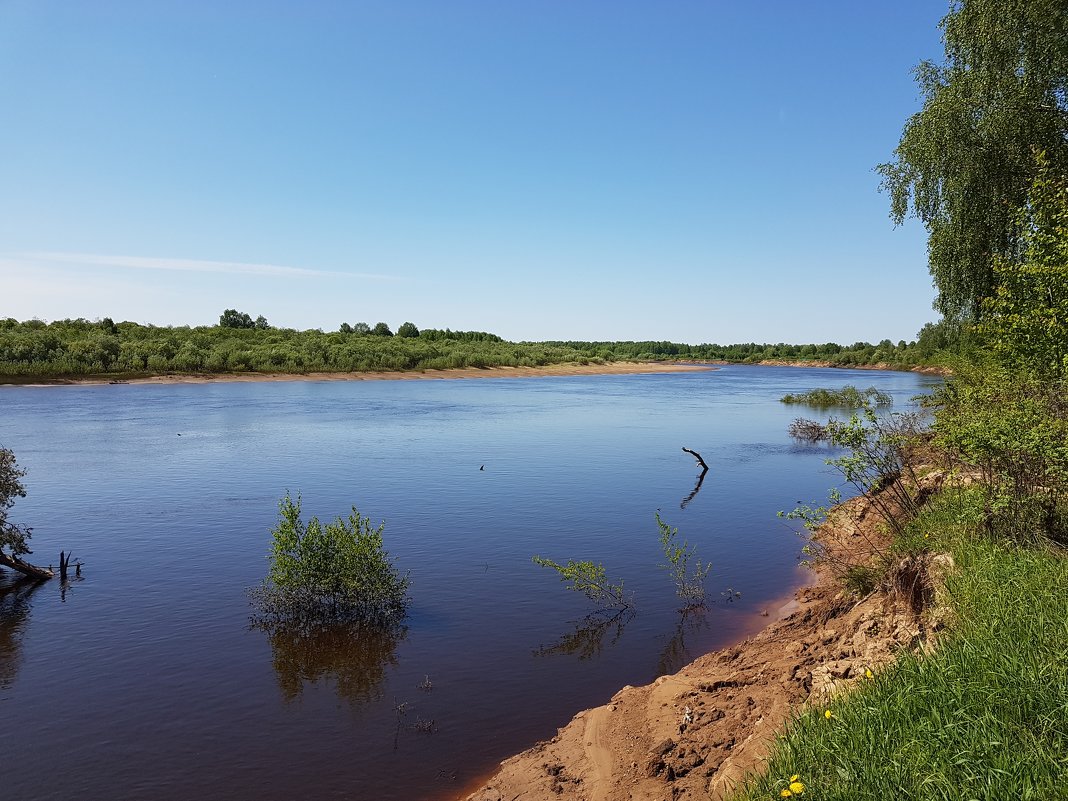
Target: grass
<point x="985" y="716"/>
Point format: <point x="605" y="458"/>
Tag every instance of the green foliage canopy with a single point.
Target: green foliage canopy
<point x="964" y="162"/>
<point x="1026" y="321"/>
<point x="12" y="535"/>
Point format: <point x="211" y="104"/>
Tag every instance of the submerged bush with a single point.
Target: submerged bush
<point x="590" y="580"/>
<point x="689" y="582"/>
<point x="329" y="574"/>
<point x="848" y="397"/>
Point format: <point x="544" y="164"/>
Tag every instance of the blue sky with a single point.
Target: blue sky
<point x="690" y="171"/>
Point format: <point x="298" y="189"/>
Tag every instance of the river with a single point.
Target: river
<point x="144" y="680"/>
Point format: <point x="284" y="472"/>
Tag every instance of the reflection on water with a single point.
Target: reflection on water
<point x="692" y="619"/>
<point x="353" y="657"/>
<point x="14" y="615"/>
<point x="696" y="489"/>
<point x="591" y="635"/>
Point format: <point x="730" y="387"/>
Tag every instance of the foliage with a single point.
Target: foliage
<point x="1026" y="321"/>
<point x="879" y="465"/>
<point x="985" y="716"/>
<point x="232" y="318"/>
<point x="689" y="582"/>
<point x="1012" y="428"/>
<point x="590" y="580"/>
<point x="381" y="330"/>
<point x="12" y="535"/>
<point x="328" y="574"/>
<point x="407" y="330"/>
<point x="964" y="163"/>
<point x="34" y="349"/>
<point x="848" y="397"/>
<point x="878" y="461"/>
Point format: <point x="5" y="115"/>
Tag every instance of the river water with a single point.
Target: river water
<point x="144" y="680"/>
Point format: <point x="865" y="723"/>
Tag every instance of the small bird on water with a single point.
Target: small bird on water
<point x="483" y="467"/>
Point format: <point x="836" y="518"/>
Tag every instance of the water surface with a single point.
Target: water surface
<point x="144" y="679"/>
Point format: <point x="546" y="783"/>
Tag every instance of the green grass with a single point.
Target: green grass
<point x="983" y="717"/>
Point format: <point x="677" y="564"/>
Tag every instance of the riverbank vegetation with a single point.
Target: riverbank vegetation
<point x="983" y="714"/>
<point x="34" y="350"/>
<point x="14" y="537"/>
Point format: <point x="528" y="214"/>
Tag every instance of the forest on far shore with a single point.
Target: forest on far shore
<point x="240" y="343"/>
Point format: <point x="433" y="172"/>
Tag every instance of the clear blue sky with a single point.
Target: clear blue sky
<point x="547" y="169"/>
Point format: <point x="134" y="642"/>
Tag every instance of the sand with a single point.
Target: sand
<point x="608" y="368"/>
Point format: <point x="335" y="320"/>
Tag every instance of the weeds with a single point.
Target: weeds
<point x="689" y="582"/>
<point x="590" y="580"/>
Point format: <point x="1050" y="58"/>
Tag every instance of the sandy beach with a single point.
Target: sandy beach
<point x="608" y="368"/>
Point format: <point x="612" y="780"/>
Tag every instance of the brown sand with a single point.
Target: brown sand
<point x="608" y="368"/>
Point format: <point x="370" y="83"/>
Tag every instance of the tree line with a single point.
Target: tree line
<point x="240" y="343"/>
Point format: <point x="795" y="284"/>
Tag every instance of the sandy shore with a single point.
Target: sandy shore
<point x="608" y="368"/>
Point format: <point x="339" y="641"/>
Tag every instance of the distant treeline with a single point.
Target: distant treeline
<point x="240" y="344"/>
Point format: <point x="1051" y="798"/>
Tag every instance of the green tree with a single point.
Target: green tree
<point x="261" y="323"/>
<point x="381" y="330"/>
<point x="964" y="163"/>
<point x="232" y="318"/>
<point x="13" y="536"/>
<point x="1026" y="321"/>
<point x="361" y="328"/>
<point x="407" y="330"/>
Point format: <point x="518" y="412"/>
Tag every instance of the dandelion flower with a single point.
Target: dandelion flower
<point x="868" y="674"/>
<point x="794" y="778"/>
<point x="828" y="714"/>
<point x="797" y="788"/>
<point x="786" y="794"/>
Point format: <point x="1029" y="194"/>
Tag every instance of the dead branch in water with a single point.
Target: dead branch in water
<point x="807" y="430"/>
<point x="697" y="456"/>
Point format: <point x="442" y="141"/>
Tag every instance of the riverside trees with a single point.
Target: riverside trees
<point x="13" y="536"/>
<point x="965" y="162"/>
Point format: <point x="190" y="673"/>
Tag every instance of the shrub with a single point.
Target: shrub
<point x="689" y="584"/>
<point x="848" y="397"/>
<point x="328" y="574"/>
<point x="589" y="579"/>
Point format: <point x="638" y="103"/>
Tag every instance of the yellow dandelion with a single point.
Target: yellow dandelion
<point x="868" y="674"/>
<point x="786" y="794"/>
<point x="797" y="788"/>
<point x="794" y="778"/>
<point x="828" y="714"/>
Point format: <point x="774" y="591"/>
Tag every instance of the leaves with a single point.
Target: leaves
<point x="337" y="572"/>
<point x="963" y="165"/>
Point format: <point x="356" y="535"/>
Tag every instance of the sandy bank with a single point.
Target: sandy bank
<point x="697" y="733"/>
<point x="608" y="368"/>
